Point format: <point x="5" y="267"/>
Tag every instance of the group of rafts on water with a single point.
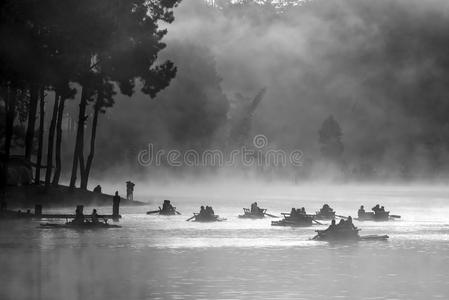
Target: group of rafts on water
<point x="81" y="221"/>
<point x="343" y="230"/>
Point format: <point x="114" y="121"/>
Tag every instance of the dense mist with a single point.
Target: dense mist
<point x="380" y="68"/>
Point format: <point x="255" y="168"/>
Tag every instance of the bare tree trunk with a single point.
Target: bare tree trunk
<point x="51" y="138"/>
<point x="78" y="155"/>
<point x="37" y="177"/>
<point x="81" y="162"/>
<point x="29" y="145"/>
<point x="10" y="116"/>
<point x="85" y="175"/>
<point x="57" y="174"/>
<point x="10" y="108"/>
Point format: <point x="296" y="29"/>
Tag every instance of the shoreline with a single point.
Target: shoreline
<point x="27" y="196"/>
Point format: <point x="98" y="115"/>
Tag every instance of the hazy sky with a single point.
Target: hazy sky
<point x="379" y="67"/>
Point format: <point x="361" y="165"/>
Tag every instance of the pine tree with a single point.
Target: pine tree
<point x="330" y="135"/>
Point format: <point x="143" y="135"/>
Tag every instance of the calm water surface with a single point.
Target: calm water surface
<point x="156" y="257"/>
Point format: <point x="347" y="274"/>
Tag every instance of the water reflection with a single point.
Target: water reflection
<point x="155" y="257"/>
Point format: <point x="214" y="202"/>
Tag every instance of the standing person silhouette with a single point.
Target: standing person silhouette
<point x="116" y="204"/>
<point x="130" y="190"/>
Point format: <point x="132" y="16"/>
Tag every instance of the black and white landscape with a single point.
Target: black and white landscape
<point x="227" y="149"/>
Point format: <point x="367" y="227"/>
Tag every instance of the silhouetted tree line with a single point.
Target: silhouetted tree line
<point x="381" y="67"/>
<point x="192" y="113"/>
<point x="90" y="49"/>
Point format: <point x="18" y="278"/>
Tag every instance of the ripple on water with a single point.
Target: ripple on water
<point x="158" y="257"/>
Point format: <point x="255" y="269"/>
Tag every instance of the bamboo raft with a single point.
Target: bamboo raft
<point x="298" y="221"/>
<point x="10" y="214"/>
<point x="378" y="217"/>
<point x="85" y="225"/>
<point x="247" y="214"/>
<point x="205" y="218"/>
<point x="346" y="235"/>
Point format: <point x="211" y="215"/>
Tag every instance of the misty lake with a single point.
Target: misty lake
<point x="157" y="257"/>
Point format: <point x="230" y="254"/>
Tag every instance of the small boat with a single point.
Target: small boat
<point x="300" y="220"/>
<point x="166" y="210"/>
<point x="205" y="218"/>
<point x="325" y="213"/>
<point x="346" y="235"/>
<point x="380" y="216"/>
<point x="84" y="225"/>
<point x="206" y="214"/>
<point x="247" y="214"/>
<point x="260" y="214"/>
<point x="255" y="212"/>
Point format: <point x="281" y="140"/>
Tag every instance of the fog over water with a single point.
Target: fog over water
<point x="160" y="257"/>
<point x="358" y="87"/>
<point x="380" y="68"/>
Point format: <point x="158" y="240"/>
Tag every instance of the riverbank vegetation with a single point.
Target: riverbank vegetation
<point x="54" y="52"/>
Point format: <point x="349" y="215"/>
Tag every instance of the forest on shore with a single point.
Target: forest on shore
<point x="53" y="52"/>
<point x="358" y="86"/>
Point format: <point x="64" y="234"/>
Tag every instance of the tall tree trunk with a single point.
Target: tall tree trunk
<point x="37" y="177"/>
<point x="85" y="175"/>
<point x="79" y="142"/>
<point x="51" y="138"/>
<point x="29" y="145"/>
<point x="10" y="116"/>
<point x="10" y="108"/>
<point x="58" y="141"/>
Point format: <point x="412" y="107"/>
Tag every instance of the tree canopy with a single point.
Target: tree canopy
<point x="51" y="45"/>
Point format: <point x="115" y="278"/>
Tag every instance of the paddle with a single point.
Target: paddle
<point x="190" y="218"/>
<point x="317" y="222"/>
<point x="273" y="216"/>
<point x="152" y="212"/>
<point x="176" y="212"/>
<point x="395" y="216"/>
<point x="343" y="217"/>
